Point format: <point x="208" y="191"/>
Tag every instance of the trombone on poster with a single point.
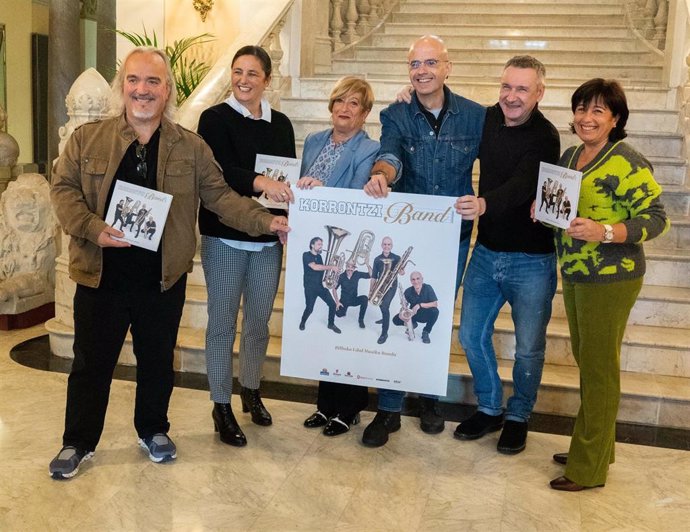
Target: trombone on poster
<point x="355" y="264"/>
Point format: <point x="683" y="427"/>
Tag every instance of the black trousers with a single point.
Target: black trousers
<point x="344" y="400"/>
<point x="310" y="295"/>
<point x="427" y="316"/>
<point x="101" y="320"/>
<point x="385" y="307"/>
<point x="360" y="301"/>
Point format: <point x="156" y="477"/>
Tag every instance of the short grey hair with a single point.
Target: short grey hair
<point x="117" y="103"/>
<point x="527" y="61"/>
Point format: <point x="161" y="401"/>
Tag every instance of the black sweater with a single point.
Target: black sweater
<point x="509" y="167"/>
<point x="235" y="142"/>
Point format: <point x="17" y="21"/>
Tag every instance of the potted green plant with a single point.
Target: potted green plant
<point x="187" y="73"/>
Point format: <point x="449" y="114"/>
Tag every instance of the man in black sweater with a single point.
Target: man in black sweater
<point x="513" y="259"/>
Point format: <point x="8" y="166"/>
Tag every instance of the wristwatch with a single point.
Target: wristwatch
<point x="608" y="234"/>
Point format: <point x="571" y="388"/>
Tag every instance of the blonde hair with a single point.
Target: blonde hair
<point x="352" y="85"/>
<point x="117" y="102"/>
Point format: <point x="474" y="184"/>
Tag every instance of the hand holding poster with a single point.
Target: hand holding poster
<point x="392" y="260"/>
<point x="558" y="193"/>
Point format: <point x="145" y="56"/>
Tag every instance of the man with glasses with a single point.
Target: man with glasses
<point x="121" y="287"/>
<point x="427" y="147"/>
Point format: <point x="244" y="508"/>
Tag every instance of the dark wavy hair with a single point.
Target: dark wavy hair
<point x="610" y="92"/>
<point x="259" y="53"/>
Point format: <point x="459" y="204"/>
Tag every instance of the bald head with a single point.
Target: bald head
<point x="429" y="68"/>
<point x="433" y="41"/>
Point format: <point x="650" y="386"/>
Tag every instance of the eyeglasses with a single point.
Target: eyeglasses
<point x="430" y="63"/>
<point x="140" y="151"/>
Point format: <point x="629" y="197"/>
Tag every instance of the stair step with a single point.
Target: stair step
<point x="658" y="333"/>
<point x="645" y="398"/>
<point x="522" y="8"/>
<point x="652" y="144"/>
<point x="485" y="90"/>
<point x="502" y="54"/>
<point x="576" y="20"/>
<point x="641" y="119"/>
<point x="578" y="71"/>
<point x="532" y="44"/>
<point x="447" y="29"/>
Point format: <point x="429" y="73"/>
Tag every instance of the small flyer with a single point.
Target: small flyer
<point x="558" y="193"/>
<point x="139" y="212"/>
<point x="279" y="169"/>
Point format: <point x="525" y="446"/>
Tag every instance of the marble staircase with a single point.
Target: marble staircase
<point x="481" y="36"/>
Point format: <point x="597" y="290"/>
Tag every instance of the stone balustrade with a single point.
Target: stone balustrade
<point x="350" y="21"/>
<point x="649" y="18"/>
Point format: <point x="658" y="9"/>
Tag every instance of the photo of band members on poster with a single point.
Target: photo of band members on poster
<point x="334" y="277"/>
<point x="369" y="297"/>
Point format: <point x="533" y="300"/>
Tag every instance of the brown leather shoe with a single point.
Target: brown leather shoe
<point x="564" y="484"/>
<point x="560" y="458"/>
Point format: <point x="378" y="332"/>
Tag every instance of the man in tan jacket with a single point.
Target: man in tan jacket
<point x="121" y="287"/>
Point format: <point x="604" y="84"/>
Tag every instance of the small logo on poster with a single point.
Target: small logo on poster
<point x="337" y="373"/>
<point x="324" y="371"/>
<point x="348" y="374"/>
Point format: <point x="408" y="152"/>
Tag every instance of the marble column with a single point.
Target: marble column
<point x="64" y="62"/>
<point x="107" y="51"/>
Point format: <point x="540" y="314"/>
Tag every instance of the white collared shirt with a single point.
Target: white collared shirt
<point x="237" y="106"/>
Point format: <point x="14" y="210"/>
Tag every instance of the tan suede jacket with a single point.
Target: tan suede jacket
<point x="83" y="175"/>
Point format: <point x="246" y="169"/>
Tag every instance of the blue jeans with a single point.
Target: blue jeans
<point x="528" y="283"/>
<point x="392" y="400"/>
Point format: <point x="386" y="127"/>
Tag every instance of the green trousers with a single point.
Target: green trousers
<point x="597" y="316"/>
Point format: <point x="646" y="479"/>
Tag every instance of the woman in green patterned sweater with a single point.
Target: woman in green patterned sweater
<point x="602" y="264"/>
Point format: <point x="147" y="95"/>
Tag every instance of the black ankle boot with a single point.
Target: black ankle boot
<point x="251" y="402"/>
<point x="226" y="424"/>
<point x="430" y="421"/>
<point x="383" y="424"/>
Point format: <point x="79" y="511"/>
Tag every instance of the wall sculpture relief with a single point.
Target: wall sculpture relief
<point x="27" y="245"/>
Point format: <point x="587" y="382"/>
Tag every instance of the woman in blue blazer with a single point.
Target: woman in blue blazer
<point x="342" y="157"/>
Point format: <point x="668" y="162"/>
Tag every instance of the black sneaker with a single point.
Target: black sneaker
<point x="429" y="419"/>
<point x="477" y="425"/>
<point x="513" y="438"/>
<point x="66" y="464"/>
<point x="384" y="423"/>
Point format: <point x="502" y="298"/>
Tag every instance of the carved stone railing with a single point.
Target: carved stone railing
<point x="351" y="21"/>
<point x="649" y="18"/>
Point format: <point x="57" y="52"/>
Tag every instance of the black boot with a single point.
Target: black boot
<point x="251" y="402"/>
<point x="429" y="419"/>
<point x="226" y="424"/>
<point x="384" y="423"/>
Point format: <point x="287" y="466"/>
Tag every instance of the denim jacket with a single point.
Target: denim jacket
<point x="424" y="163"/>
<point x="354" y="165"/>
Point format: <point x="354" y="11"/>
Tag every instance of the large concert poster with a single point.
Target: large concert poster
<point x="370" y="289"/>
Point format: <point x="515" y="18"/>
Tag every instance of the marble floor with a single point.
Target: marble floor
<point x="290" y="478"/>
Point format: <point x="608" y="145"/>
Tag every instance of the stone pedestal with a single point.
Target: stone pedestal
<point x="27" y="318"/>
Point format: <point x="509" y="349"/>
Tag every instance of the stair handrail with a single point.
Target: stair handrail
<point x="647" y="19"/>
<point x="216" y="85"/>
<point x="355" y="28"/>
